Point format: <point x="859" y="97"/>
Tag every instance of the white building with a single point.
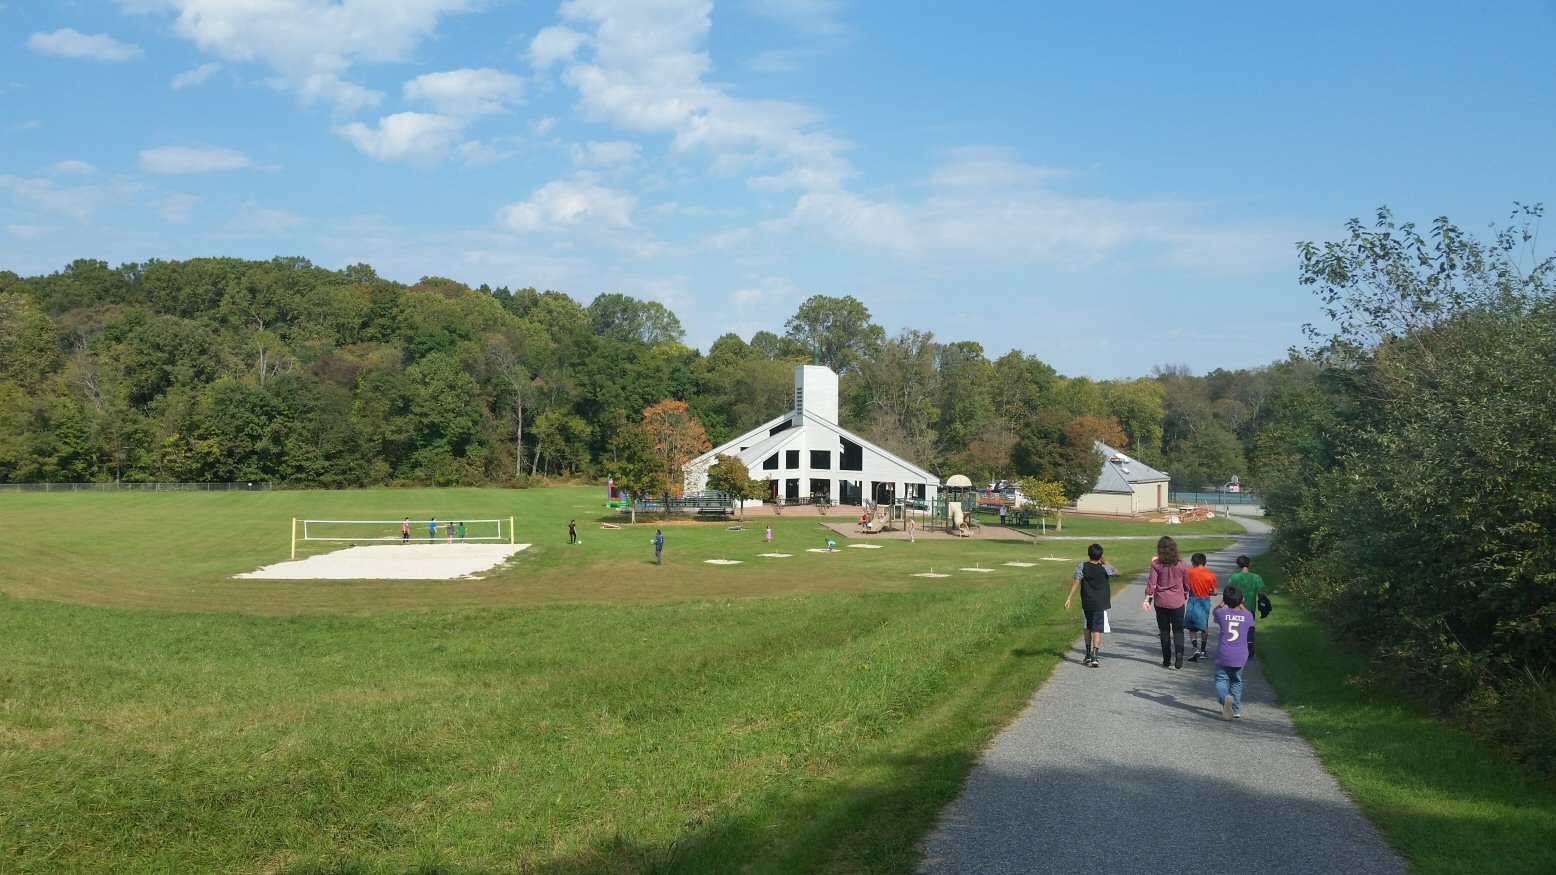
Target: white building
<point x="1125" y="486"/>
<point x="804" y="453"/>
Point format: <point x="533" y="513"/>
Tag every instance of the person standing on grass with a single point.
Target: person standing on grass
<point x="572" y="531"/>
<point x="1232" y="651"/>
<point x="1094" y="579"/>
<point x="1202" y="586"/>
<point x="910" y="530"/>
<point x="450" y="530"/>
<point x="1251" y="585"/>
<point x="432" y="530"/>
<point x="405" y="531"/>
<point x="1002" y="514"/>
<point x="769" y="534"/>
<point x="1167" y="591"/>
<point x="659" y="546"/>
<point x="461" y="531"/>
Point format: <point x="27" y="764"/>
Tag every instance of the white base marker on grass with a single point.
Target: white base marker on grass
<point x="722" y="561"/>
<point x="820" y="550"/>
<point x="978" y="570"/>
<point x="865" y="546"/>
<point x="930" y="574"/>
<point x="776" y="555"/>
<point x="1021" y="564"/>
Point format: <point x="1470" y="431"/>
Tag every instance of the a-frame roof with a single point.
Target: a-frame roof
<point x="1119" y="471"/>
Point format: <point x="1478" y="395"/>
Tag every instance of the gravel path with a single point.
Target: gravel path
<point x="1129" y="768"/>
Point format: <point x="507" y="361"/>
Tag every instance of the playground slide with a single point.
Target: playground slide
<point x="957" y="522"/>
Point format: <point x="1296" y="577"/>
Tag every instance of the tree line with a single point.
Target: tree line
<point x="222" y="369"/>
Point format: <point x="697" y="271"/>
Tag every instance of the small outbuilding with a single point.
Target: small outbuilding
<point x="1125" y="486"/>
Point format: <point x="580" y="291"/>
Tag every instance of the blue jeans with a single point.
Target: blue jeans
<point x="1229" y="680"/>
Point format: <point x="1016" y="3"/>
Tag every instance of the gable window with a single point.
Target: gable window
<point x="821" y="460"/>
<point x="851" y="458"/>
<point x="791" y="459"/>
<point x="770" y="463"/>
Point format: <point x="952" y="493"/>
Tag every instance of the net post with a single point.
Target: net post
<point x="294" y="537"/>
<point x="510" y="531"/>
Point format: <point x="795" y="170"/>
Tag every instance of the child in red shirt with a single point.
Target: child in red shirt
<point x="1202" y="586"/>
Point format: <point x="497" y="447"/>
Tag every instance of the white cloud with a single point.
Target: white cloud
<point x="467" y="94"/>
<point x="814" y="17"/>
<point x="554" y="45"/>
<point x="28" y="232"/>
<point x="254" y="219"/>
<point x="192" y="159"/>
<point x="641" y="66"/>
<point x="73" y="167"/>
<point x="68" y="43"/>
<point x="198" y="75"/>
<point x="310" y="45"/>
<point x="175" y="207"/>
<point x="413" y="137"/>
<point x="985" y="207"/>
<point x="31" y="125"/>
<point x="79" y="202"/>
<point x="609" y="154"/>
<point x="558" y="205"/>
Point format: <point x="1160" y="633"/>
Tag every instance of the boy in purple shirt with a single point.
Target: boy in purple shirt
<point x="1236" y="623"/>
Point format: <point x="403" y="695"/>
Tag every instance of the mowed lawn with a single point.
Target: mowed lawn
<point x="581" y="711"/>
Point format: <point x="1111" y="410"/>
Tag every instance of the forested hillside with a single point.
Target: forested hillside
<point x="220" y="369"/>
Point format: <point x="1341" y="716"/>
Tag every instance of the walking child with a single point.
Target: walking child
<point x="1250" y="585"/>
<point x="461" y="531"/>
<point x="1196" y="618"/>
<point x="1167" y="592"/>
<point x="1094" y="579"/>
<point x="1232" y="650"/>
<point x="405" y="531"/>
<point x="572" y="531"/>
<point x="450" y="530"/>
<point x="769" y="534"/>
<point x="659" y="546"/>
<point x="432" y="530"/>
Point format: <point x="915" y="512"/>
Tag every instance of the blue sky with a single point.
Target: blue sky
<point x="1106" y="186"/>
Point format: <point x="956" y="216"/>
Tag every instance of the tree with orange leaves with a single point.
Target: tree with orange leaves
<point x="678" y="438"/>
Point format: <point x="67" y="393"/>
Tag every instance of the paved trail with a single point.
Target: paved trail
<point x="1129" y="768"/>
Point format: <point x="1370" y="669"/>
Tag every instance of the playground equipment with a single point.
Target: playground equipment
<point x="954" y="506"/>
<point x="616" y="498"/>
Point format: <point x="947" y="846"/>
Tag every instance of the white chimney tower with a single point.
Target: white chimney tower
<point x="815" y="391"/>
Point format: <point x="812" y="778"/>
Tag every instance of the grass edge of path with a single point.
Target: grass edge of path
<point x="1443" y="800"/>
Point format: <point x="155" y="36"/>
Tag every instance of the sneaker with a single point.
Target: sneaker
<point x="1226" y="709"/>
<point x="1177" y="660"/>
<point x="1194" y="657"/>
<point x="1092" y="663"/>
<point x="1238" y="714"/>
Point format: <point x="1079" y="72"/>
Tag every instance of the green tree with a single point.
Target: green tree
<point x="837" y="331"/>
<point x="1430" y="501"/>
<point x="636" y="466"/>
<point x="730" y="475"/>
<point x="626" y="319"/>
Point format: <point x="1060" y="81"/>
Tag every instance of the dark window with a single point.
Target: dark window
<point x="821" y="460"/>
<point x="782" y="426"/>
<point x="852" y="456"/>
<point x="791" y="458"/>
<point x="770" y="463"/>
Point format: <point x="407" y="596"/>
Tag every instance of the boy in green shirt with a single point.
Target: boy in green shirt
<point x="1251" y="585"/>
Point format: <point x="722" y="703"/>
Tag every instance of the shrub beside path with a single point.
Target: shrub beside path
<point x="1129" y="768"/>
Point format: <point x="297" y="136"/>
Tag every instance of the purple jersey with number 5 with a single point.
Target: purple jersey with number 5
<point x="1235" y="624"/>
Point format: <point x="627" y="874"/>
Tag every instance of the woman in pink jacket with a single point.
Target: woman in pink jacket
<point x="1167" y="590"/>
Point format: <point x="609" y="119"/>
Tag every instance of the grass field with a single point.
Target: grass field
<point x="582" y="711"/>
<point x="1447" y="803"/>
